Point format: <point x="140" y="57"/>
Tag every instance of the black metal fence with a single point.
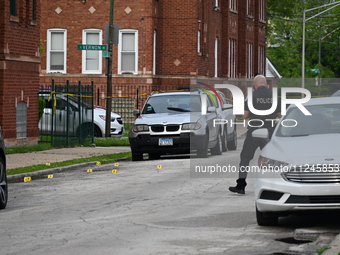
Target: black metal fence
<point x="126" y="98"/>
<point x="67" y="117"/>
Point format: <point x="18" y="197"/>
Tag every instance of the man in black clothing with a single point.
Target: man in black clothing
<point x="262" y="100"/>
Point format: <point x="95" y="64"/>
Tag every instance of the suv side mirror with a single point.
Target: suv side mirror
<point x="211" y="109"/>
<point x="136" y="112"/>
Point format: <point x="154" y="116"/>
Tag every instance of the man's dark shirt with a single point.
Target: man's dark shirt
<point x="262" y="100"/>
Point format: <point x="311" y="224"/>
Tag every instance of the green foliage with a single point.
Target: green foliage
<point x="284" y="33"/>
<point x="321" y="250"/>
<point x="104" y="159"/>
<point x="41" y="106"/>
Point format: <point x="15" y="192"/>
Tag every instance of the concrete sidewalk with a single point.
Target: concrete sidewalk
<point x="63" y="154"/>
<point x="59" y="155"/>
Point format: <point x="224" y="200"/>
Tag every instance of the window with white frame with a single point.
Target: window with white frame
<point x="56" y="51"/>
<point x="262" y="10"/>
<point x="217" y="3"/>
<point x="249" y="8"/>
<point x="261" y="60"/>
<point x="198" y="41"/>
<point x="249" y="60"/>
<point x="216" y="57"/>
<point x="128" y="51"/>
<point x="21" y="120"/>
<point x="154" y="52"/>
<point x="232" y="58"/>
<point x="233" y="5"/>
<point x="92" y="59"/>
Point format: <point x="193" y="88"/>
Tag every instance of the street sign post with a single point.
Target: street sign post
<point x="92" y="47"/>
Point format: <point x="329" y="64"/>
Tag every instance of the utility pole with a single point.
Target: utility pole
<point x="109" y="75"/>
<point x="304" y="20"/>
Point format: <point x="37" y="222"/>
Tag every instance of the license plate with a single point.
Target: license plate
<point x="165" y="142"/>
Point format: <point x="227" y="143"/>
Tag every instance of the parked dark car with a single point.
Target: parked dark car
<point x="3" y="175"/>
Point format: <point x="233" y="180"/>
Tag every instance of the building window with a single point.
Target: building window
<point x="232" y="58"/>
<point x="34" y="9"/>
<point x="128" y="52"/>
<point x="262" y="11"/>
<point x="216" y="57"/>
<point x="249" y="60"/>
<point x="154" y="52"/>
<point x="261" y="60"/>
<point x="216" y="3"/>
<point x="199" y="41"/>
<point x="21" y="121"/>
<point x="92" y="59"/>
<point x="249" y="8"/>
<point x="233" y="5"/>
<point x="13" y="7"/>
<point x="56" y="51"/>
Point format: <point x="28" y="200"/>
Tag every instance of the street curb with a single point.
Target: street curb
<point x="334" y="247"/>
<point x="41" y="173"/>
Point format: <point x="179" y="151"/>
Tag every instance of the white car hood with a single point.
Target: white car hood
<point x="168" y="118"/>
<point x="102" y="111"/>
<point x="312" y="149"/>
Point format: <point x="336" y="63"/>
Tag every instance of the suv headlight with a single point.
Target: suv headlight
<point x="140" y="128"/>
<point x="191" y="126"/>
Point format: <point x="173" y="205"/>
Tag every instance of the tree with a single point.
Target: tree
<point x="284" y="34"/>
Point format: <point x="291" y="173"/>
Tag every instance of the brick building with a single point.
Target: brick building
<point x="161" y="43"/>
<point x="19" y="70"/>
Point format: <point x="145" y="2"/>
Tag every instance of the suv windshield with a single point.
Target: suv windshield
<point x="325" y="119"/>
<point x="172" y="103"/>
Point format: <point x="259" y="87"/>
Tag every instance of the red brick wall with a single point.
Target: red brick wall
<point x="19" y="69"/>
<point x="176" y="22"/>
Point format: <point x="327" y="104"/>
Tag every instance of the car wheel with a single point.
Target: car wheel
<point x="232" y="144"/>
<point x="217" y="150"/>
<point x="203" y="152"/>
<point x="154" y="156"/>
<point x="136" y="156"/>
<point x="3" y="185"/>
<point x="85" y="130"/>
<point x="266" y="219"/>
<point x="97" y="132"/>
<point x="225" y="140"/>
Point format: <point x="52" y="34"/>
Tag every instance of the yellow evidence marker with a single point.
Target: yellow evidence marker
<point x="27" y="179"/>
<point x="89" y="170"/>
<point x="48" y="164"/>
<point x="116" y="164"/>
<point x="159" y="167"/>
<point x="50" y="176"/>
<point x="98" y="164"/>
<point x="114" y="171"/>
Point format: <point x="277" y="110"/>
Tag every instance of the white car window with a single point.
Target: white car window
<point x="325" y="119"/>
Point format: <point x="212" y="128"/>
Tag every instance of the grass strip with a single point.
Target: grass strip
<point x="101" y="142"/>
<point x="103" y="159"/>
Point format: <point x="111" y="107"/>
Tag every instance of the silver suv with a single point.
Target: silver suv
<point x="176" y="123"/>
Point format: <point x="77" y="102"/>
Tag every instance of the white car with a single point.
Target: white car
<point x="299" y="168"/>
<point x="66" y="117"/>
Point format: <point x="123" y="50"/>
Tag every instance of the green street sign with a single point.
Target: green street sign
<point x="106" y="54"/>
<point x="92" y="47"/>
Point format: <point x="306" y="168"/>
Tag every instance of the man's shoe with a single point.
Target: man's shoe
<point x="236" y="190"/>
